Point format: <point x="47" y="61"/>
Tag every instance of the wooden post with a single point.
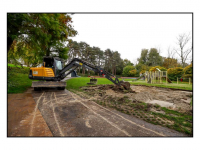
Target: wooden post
<point x="177" y="80"/>
<point x="160" y="76"/>
<point x="146" y="76"/>
<point x="154" y="77"/>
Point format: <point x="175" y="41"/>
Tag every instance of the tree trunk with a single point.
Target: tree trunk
<point x="9" y="43"/>
<point x="48" y="52"/>
<point x="83" y="70"/>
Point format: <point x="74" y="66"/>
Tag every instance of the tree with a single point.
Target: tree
<point x="108" y="59"/>
<point x="41" y="34"/>
<point x="99" y="56"/>
<point x="14" y="27"/>
<point x="74" y="49"/>
<point x="132" y="73"/>
<point x="170" y="63"/>
<point x="126" y="71"/>
<point x="127" y="63"/>
<point x="143" y="57"/>
<point x="142" y="68"/>
<point x="84" y="53"/>
<point x="154" y="58"/>
<point x="115" y="62"/>
<point x="184" y="50"/>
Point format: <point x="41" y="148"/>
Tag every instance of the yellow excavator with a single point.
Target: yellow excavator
<point x="53" y="71"/>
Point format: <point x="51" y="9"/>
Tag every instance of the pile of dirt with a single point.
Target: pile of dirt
<point x="115" y="88"/>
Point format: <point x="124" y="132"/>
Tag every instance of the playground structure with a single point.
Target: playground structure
<point x="156" y="77"/>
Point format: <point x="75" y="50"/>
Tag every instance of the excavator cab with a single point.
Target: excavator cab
<point x="55" y="63"/>
<point x="50" y="69"/>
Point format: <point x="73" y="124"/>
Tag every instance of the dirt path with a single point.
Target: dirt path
<point x="67" y="114"/>
<point x="24" y="119"/>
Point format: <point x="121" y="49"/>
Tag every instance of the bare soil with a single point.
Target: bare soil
<point x="160" y="106"/>
<point x="180" y="99"/>
<point x="24" y="119"/>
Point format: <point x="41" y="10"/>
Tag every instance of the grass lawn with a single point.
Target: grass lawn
<point x="76" y="83"/>
<point x="18" y="83"/>
<point x="174" y="85"/>
<point x="18" y="80"/>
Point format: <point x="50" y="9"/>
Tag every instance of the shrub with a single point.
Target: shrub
<point x="143" y="68"/>
<point x="188" y="71"/>
<point x="132" y="73"/>
<point x="159" y="67"/>
<point x="126" y="71"/>
<point x="174" y="73"/>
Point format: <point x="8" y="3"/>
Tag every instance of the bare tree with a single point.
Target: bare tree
<point x="183" y="51"/>
<point x="170" y="53"/>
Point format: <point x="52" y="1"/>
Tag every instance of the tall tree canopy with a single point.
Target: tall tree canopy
<point x="127" y="62"/>
<point x="110" y="60"/>
<point x="39" y="34"/>
<point x="143" y="57"/>
<point x="170" y="63"/>
<point x="154" y="58"/>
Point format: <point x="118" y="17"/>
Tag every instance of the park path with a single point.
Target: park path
<point x="24" y="118"/>
<point x="67" y="114"/>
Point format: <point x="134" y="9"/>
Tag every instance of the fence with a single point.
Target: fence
<point x="180" y="80"/>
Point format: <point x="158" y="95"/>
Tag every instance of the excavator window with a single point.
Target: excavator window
<point x="48" y="62"/>
<point x="58" y="64"/>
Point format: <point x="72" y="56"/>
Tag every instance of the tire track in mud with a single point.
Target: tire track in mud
<point x="35" y="110"/>
<point x="55" y="118"/>
<point x="111" y="123"/>
<point x="67" y="114"/>
<point x="140" y="126"/>
<point x="160" y="134"/>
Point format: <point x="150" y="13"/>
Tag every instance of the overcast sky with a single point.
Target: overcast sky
<point x="129" y="33"/>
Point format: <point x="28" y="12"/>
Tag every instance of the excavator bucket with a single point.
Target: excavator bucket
<point x="126" y="85"/>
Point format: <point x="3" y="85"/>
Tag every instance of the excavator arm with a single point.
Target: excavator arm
<point x="75" y="63"/>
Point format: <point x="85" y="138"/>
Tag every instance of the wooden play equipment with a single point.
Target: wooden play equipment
<point x="156" y="77"/>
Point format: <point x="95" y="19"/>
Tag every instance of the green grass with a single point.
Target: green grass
<point x="169" y="85"/>
<point x="18" y="83"/>
<point x="18" y="80"/>
<point x="76" y="83"/>
<point x="191" y="103"/>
